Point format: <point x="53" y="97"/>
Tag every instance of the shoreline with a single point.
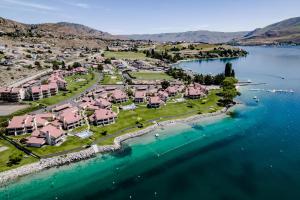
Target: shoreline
<point x="9" y="176"/>
<point x="204" y="59"/>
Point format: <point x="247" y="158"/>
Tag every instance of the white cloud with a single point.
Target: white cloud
<point x="81" y="5"/>
<point x="30" y="5"/>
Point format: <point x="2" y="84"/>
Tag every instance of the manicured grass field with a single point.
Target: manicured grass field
<point x="126" y="122"/>
<point x="124" y="55"/>
<point x="150" y="75"/>
<point x="71" y="143"/>
<point x="109" y="80"/>
<point x="4" y="156"/>
<point x="74" y="87"/>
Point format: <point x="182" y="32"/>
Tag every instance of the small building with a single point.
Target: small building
<point x="71" y="119"/>
<point x="118" y="96"/>
<point x="139" y="97"/>
<point x="102" y="103"/>
<point x="52" y="134"/>
<point x="19" y="125"/>
<point x="163" y="95"/>
<point x="154" y="102"/>
<point x="103" y="117"/>
<point x="171" y="90"/>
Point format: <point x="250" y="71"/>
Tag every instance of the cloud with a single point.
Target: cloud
<point x="81" y="5"/>
<point x="30" y="5"/>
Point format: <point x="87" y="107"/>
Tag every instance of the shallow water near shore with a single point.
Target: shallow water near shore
<point x="253" y="155"/>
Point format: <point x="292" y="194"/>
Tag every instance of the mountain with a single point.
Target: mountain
<point x="190" y="36"/>
<point x="286" y="31"/>
<point x="63" y="34"/>
<point x="50" y="29"/>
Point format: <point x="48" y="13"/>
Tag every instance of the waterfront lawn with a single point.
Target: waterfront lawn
<point x="72" y="143"/>
<point x="125" y="55"/>
<point x="74" y="87"/>
<point x="4" y="156"/>
<point x="150" y="75"/>
<point x="127" y="120"/>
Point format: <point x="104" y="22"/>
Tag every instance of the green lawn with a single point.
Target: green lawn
<point x="106" y="134"/>
<point x="71" y="143"/>
<point x="124" y="55"/>
<point x="4" y="156"/>
<point x="74" y="87"/>
<point x="112" y="79"/>
<point x="150" y="75"/>
<point x="144" y="114"/>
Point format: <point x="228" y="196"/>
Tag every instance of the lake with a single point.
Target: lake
<point x="253" y="155"/>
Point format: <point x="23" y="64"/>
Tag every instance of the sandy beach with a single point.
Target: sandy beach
<point x="7" y="177"/>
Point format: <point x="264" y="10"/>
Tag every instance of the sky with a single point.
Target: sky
<point x="153" y="16"/>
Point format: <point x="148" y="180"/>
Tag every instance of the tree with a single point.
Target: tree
<point x="15" y="159"/>
<point x="76" y="64"/>
<point x="107" y="61"/>
<point x="100" y="67"/>
<point x="233" y="73"/>
<point x="228" y="69"/>
<point x="129" y="92"/>
<point x="55" y="65"/>
<point x="208" y="79"/>
<point x="165" y="84"/>
<point x="229" y="91"/>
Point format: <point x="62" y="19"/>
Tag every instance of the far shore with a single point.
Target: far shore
<point x="9" y="176"/>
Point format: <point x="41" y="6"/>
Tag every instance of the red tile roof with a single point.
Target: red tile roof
<point x="102" y="114"/>
<point x="52" y="130"/>
<point x="36" y="140"/>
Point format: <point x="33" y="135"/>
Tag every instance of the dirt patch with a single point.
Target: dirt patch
<point x="10" y="108"/>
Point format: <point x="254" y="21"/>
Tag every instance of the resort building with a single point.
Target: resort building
<point x="102" y="103"/>
<point x="12" y="94"/>
<point x="139" y="97"/>
<point x="103" y="117"/>
<point x="62" y="107"/>
<point x="36" y="93"/>
<point x="118" y="96"/>
<point x="49" y="134"/>
<point x="19" y="125"/>
<point x="195" y="91"/>
<point x="71" y="118"/>
<point x="45" y="91"/>
<point x="52" y="134"/>
<point x="154" y="102"/>
<point x="172" y="90"/>
<point x="163" y="95"/>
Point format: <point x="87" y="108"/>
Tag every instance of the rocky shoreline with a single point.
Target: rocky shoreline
<point x="7" y="177"/>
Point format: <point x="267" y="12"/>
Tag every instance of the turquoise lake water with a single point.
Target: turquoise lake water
<point x="254" y="155"/>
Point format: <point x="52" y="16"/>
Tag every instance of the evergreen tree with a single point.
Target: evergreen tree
<point x="228" y="69"/>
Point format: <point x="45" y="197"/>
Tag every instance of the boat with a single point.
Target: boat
<point x="156" y="135"/>
<point x="255" y="97"/>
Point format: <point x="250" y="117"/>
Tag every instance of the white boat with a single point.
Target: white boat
<point x="156" y="135"/>
<point x="255" y="97"/>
